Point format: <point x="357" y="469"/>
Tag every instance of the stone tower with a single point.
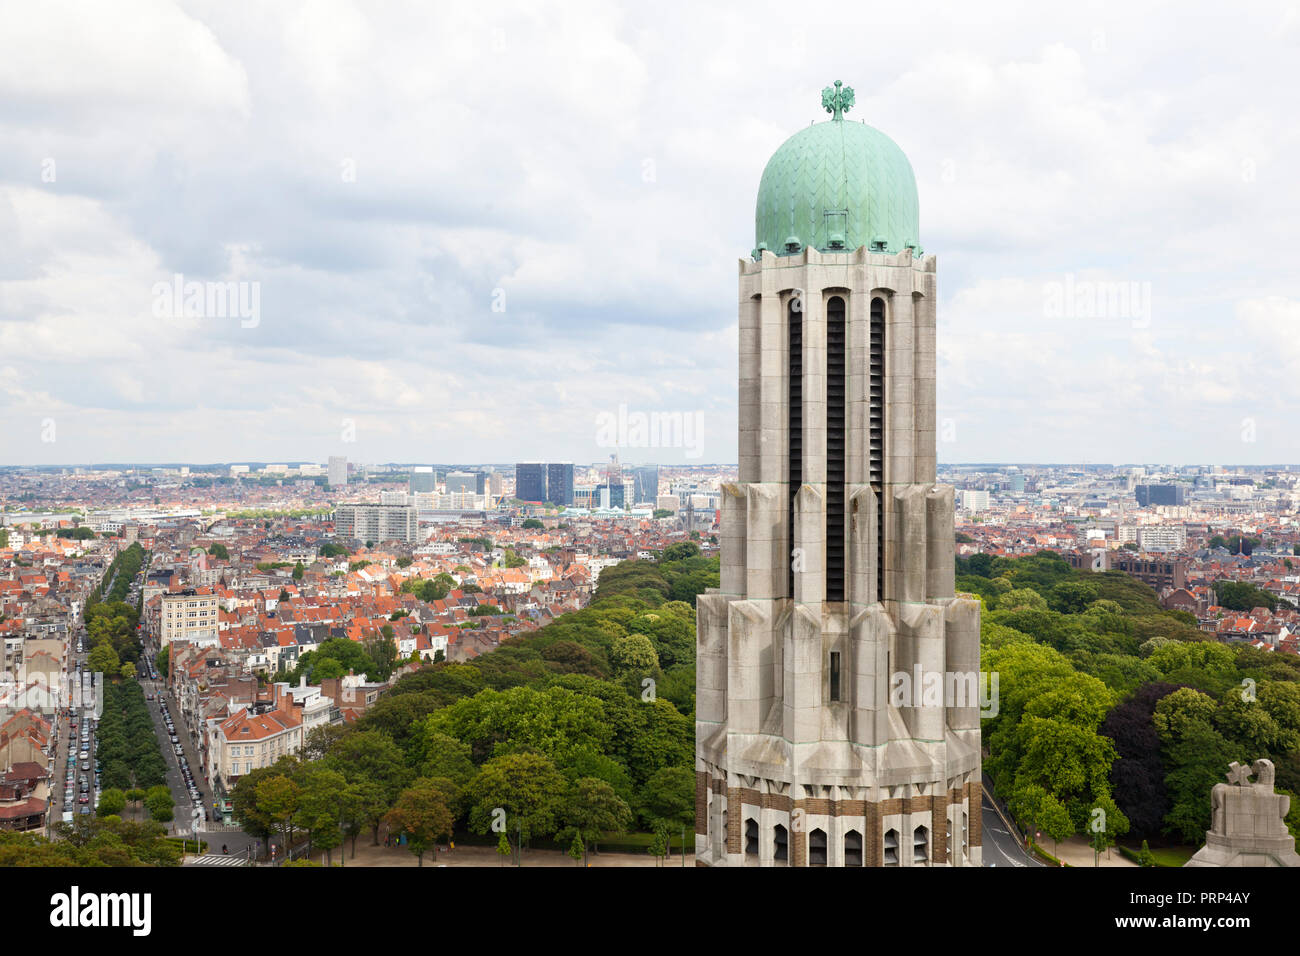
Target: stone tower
<point x="837" y="716"/>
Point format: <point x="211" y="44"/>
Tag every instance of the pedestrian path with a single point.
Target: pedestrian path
<point x="215" y="859"/>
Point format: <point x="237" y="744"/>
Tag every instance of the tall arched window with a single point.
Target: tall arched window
<point x="853" y="848"/>
<point x="891" y="848"/>
<point x="921" y="845"/>
<point x="817" y="848"/>
<point x="751" y="837"/>
<point x="794" y="396"/>
<point x="836" y="391"/>
<point x="780" y="843"/>
<point x="876" y="426"/>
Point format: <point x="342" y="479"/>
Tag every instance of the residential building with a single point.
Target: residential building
<point x="376" y="523"/>
<point x="338" y="471"/>
<point x="189" y="615"/>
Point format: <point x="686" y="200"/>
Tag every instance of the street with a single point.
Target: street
<point x="1002" y="847"/>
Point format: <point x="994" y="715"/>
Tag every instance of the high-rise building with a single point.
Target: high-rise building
<point x="559" y="483"/>
<point x="461" y="483"/>
<point x="645" y="483"/>
<point x="422" y="480"/>
<point x="1162" y="537"/>
<point x="338" y="471"/>
<point x="612" y="495"/>
<point x="975" y="500"/>
<point x="530" y="481"/>
<point x="376" y="522"/>
<point x="1148" y="495"/>
<point x="820" y="738"/>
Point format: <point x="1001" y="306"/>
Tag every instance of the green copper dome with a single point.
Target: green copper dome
<point x="837" y="186"/>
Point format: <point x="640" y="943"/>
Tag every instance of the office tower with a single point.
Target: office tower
<point x="813" y="746"/>
<point x="461" y="483"/>
<point x="422" y="480"/>
<point x="646" y="483"/>
<point x="1148" y="495"/>
<point x="559" y="483"/>
<point x="530" y="481"/>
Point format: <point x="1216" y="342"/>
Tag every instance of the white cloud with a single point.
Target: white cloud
<point x="381" y="171"/>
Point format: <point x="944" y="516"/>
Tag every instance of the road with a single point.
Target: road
<point x="215" y="833"/>
<point x="1002" y="846"/>
<point x="71" y="773"/>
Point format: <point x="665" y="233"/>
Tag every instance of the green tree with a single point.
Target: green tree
<point x="593" y="808"/>
<point x="445" y="756"/>
<point x="298" y="571"/>
<point x="669" y="795"/>
<point x="1036" y="809"/>
<point x="320" y="809"/>
<point x="634" y="655"/>
<point x="278" y="797"/>
<point x="102" y="659"/>
<point x="111" y="803"/>
<point x="422" y="814"/>
<point x="526" y="786"/>
<point x="370" y="755"/>
<point x="158" y="800"/>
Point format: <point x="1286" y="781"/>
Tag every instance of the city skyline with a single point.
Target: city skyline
<point x="1099" y="208"/>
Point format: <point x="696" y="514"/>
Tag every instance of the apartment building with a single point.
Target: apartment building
<point x="376" y="522"/>
<point x="1162" y="537"/>
<point x="189" y="615"/>
<point x="245" y="741"/>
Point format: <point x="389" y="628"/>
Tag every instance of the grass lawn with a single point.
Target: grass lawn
<point x="1172" y="855"/>
<point x="1167" y="855"/>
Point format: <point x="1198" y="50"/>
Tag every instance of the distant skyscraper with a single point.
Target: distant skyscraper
<point x="530" y="481"/>
<point x="612" y="496"/>
<point x="1148" y="495"/>
<point x="646" y="482"/>
<point x="821" y="736"/>
<point x="461" y="483"/>
<point x="559" y="483"/>
<point x="338" y="471"/>
<point x="422" y="480"/>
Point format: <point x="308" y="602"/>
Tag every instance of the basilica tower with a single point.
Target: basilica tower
<point x="837" y="717"/>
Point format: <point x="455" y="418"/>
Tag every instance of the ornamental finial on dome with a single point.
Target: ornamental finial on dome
<point x="837" y="100"/>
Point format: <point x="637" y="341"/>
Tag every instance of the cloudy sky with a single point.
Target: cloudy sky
<point x="474" y="229"/>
